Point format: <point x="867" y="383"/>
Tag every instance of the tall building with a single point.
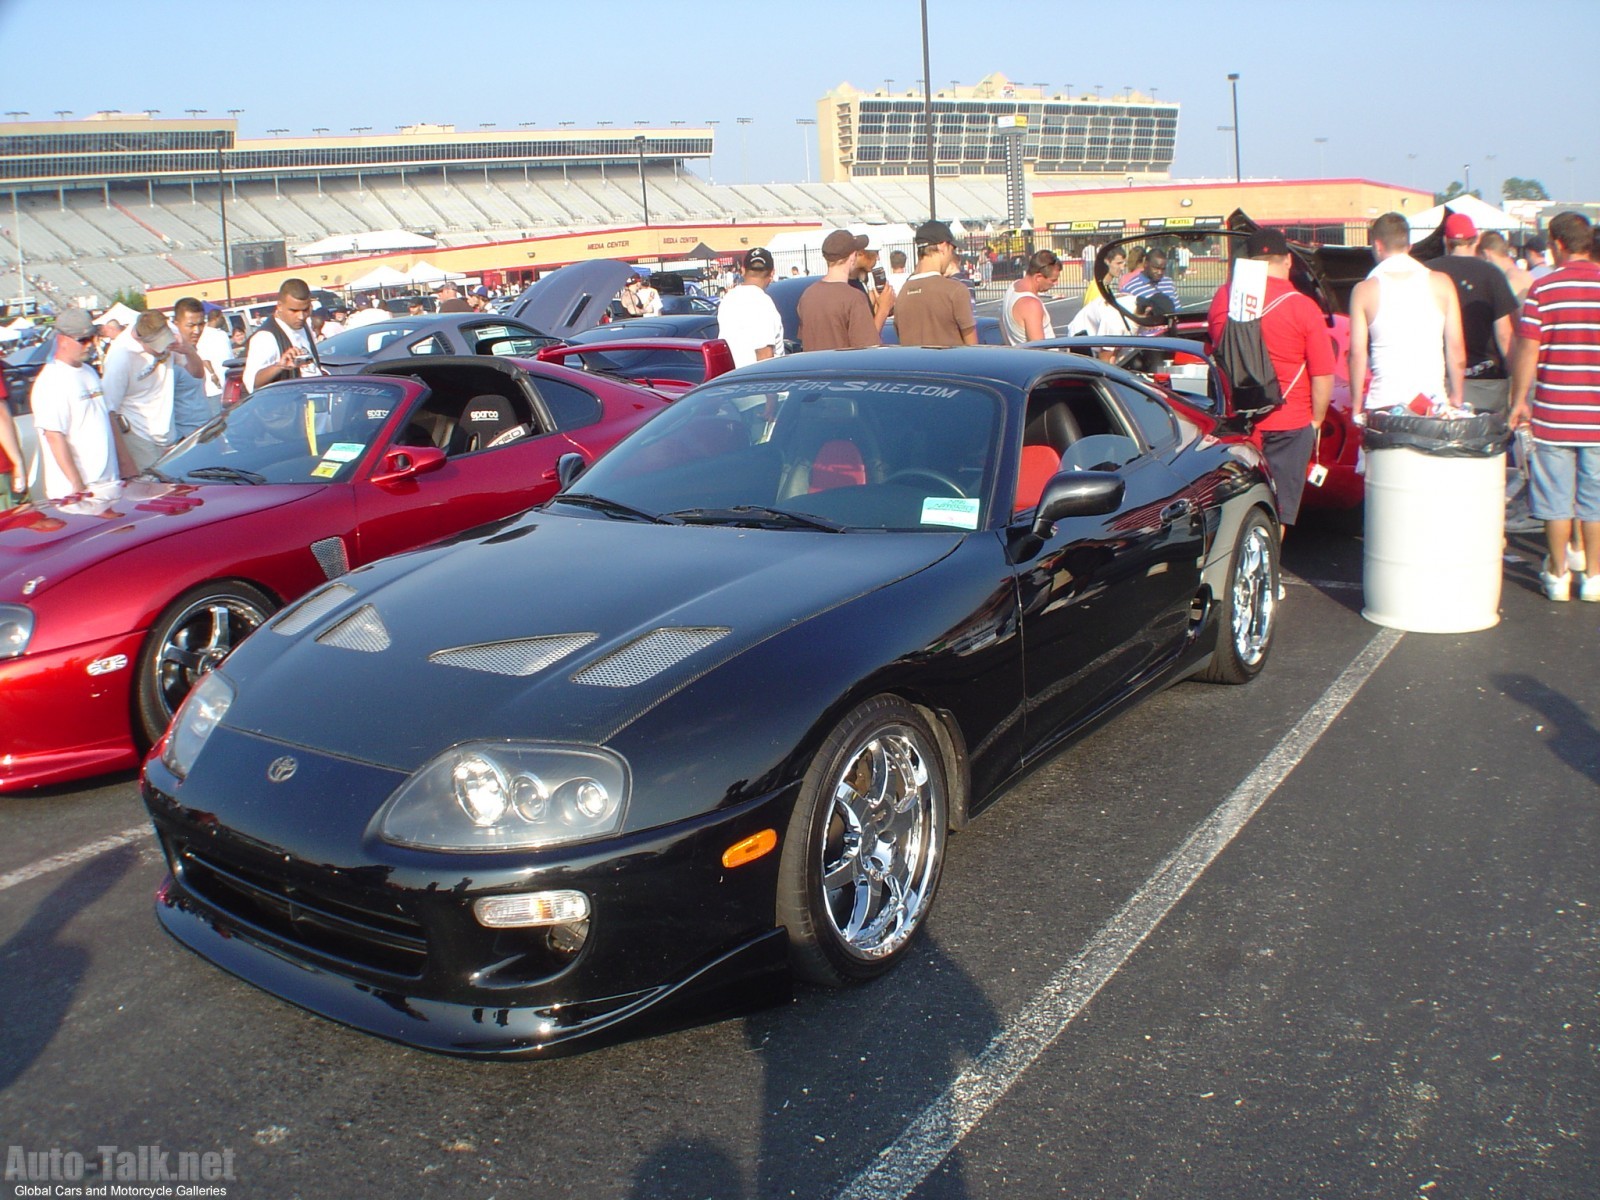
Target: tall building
<point x="865" y="134"/>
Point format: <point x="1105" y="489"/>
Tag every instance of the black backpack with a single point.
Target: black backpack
<point x="1243" y="358"/>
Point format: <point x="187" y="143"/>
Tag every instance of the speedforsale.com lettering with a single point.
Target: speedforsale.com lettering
<point x="862" y="385"/>
<point x="117" y="1167"/>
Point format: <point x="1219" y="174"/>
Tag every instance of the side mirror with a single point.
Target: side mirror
<point x="407" y="462"/>
<point x="1077" y="494"/>
<point x="568" y="468"/>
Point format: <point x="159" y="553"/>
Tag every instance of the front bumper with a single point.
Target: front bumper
<point x="66" y="714"/>
<point x="383" y="938"/>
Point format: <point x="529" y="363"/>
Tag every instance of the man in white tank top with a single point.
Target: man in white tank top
<point x="1405" y="328"/>
<point x="1023" y="316"/>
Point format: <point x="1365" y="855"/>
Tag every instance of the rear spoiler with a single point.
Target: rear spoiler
<point x="714" y="352"/>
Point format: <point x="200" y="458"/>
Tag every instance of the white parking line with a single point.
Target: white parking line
<point x="940" y="1127"/>
<point x="57" y="861"/>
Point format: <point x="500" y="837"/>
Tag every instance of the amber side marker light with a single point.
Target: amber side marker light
<point x="749" y="849"/>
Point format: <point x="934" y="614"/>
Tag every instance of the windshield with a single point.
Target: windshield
<point x="303" y="431"/>
<point x="863" y="453"/>
<point x="365" y="340"/>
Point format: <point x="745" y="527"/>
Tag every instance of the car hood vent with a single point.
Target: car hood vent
<point x="361" y="630"/>
<point x="523" y="656"/>
<point x="648" y="656"/>
<point x="311" y="610"/>
<point x="331" y="556"/>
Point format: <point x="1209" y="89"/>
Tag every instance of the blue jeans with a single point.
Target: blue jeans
<point x="1564" y="482"/>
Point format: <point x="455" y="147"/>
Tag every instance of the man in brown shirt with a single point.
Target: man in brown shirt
<point x="933" y="309"/>
<point x="834" y="313"/>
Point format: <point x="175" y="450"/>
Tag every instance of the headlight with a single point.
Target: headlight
<point x="508" y="796"/>
<point x="201" y="711"/>
<point x="16" y="627"/>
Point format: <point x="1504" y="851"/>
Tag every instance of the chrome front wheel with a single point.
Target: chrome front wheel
<point x="866" y="844"/>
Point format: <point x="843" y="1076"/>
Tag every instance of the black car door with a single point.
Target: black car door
<point x="1106" y="600"/>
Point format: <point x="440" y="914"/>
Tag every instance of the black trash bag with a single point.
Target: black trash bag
<point x="1482" y="435"/>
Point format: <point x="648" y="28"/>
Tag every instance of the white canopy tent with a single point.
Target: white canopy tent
<point x="381" y="276"/>
<point x="426" y="272"/>
<point x="1484" y="216"/>
<point x="376" y="242"/>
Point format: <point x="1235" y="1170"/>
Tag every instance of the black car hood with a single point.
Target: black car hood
<point x="545" y="575"/>
<point x="572" y="299"/>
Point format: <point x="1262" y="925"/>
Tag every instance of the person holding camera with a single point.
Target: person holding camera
<point x="1297" y="341"/>
<point x="139" y="383"/>
<point x="873" y="281"/>
<point x="282" y="347"/>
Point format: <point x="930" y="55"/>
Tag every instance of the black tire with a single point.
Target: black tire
<point x="1247" y="610"/>
<point x="853" y="910"/>
<point x="194" y="634"/>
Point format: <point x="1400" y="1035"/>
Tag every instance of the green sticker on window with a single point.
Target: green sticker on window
<point x="343" y="452"/>
<point x="955" y="511"/>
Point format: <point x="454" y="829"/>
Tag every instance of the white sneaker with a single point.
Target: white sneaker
<point x="1589" y="588"/>
<point x="1576" y="559"/>
<point x="1556" y="587"/>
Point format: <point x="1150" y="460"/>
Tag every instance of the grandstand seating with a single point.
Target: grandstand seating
<point x="83" y="244"/>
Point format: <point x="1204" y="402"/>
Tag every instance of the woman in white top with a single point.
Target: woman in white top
<point x="1023" y="316"/>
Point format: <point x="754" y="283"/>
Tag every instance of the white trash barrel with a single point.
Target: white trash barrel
<point x="1435" y="533"/>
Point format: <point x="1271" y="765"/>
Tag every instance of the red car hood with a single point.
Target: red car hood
<point x="41" y="545"/>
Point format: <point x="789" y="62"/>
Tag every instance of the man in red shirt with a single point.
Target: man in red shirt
<point x="1557" y="357"/>
<point x="1297" y="340"/>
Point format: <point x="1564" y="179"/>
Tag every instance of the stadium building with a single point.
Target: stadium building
<point x="879" y="134"/>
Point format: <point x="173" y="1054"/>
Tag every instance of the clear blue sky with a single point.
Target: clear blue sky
<point x="1450" y="82"/>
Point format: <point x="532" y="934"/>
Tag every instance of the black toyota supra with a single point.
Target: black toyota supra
<point x="701" y="724"/>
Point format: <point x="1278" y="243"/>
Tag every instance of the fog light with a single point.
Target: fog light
<point x="531" y="909"/>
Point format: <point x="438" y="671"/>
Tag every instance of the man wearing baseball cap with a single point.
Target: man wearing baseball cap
<point x="933" y="309"/>
<point x="1300" y="348"/>
<point x="834" y="314"/>
<point x="78" y="445"/>
<point x="747" y="319"/>
<point x="1487" y="306"/>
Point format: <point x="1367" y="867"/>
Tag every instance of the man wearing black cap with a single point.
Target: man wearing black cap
<point x="933" y="309"/>
<point x="1300" y="348"/>
<point x="835" y="315"/>
<point x="747" y="319"/>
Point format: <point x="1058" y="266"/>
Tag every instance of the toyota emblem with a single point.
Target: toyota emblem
<point x="282" y="769"/>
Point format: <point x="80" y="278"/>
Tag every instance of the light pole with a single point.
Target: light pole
<point x="22" y="266"/>
<point x="744" y="148"/>
<point x="644" y="192"/>
<point x="927" y="110"/>
<point x="1233" y="83"/>
<point x="1466" y="175"/>
<point x="805" y="141"/>
<point x="222" y="212"/>
<point x="1322" y="157"/>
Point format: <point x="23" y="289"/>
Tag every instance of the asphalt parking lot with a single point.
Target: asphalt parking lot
<point x="1329" y="934"/>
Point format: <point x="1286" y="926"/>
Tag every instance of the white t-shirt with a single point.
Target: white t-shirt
<point x="261" y="352"/>
<point x="1098" y="319"/>
<point x="897" y="279"/>
<point x="215" y="347"/>
<point x="650" y="301"/>
<point x="69" y="401"/>
<point x="747" y="320"/>
<point x="138" y="385"/>
<point x="367" y="316"/>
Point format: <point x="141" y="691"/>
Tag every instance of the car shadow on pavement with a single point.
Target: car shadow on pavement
<point x="835" y="1064"/>
<point x="1574" y="740"/>
<point x="40" y="971"/>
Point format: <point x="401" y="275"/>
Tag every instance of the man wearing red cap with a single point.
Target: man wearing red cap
<point x="1487" y="306"/>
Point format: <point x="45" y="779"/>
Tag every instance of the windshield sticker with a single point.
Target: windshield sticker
<point x="954" y="511"/>
<point x="325" y="470"/>
<point x="865" y="385"/>
<point x="342" y="452"/>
